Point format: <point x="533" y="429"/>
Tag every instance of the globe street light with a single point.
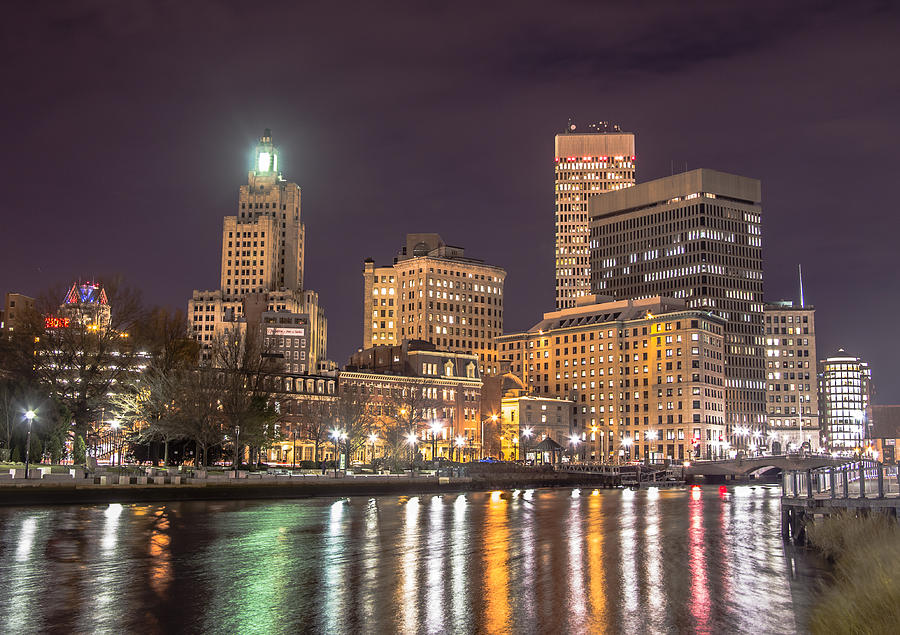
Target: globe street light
<point x="114" y="424"/>
<point x="29" y="416"/>
<point x="373" y="438"/>
<point x="627" y="443"/>
<point x="411" y="439"/>
<point x="436" y="427"/>
<point x="460" y="444"/>
<point x="526" y="436"/>
<point x="335" y="437"/>
<point x="573" y="441"/>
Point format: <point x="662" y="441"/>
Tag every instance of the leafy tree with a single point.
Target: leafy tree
<point x="79" y="454"/>
<point x="16" y="455"/>
<point x="36" y="449"/>
<point x="55" y="448"/>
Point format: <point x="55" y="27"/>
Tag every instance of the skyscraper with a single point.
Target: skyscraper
<point x="598" y="159"/>
<point x="434" y="292"/>
<point x="262" y="266"/>
<point x="695" y="236"/>
<point x="791" y="386"/>
<point x="844" y="391"/>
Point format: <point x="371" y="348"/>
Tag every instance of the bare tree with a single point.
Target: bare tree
<point x="316" y="422"/>
<point x="404" y="410"/>
<point x="83" y="351"/>
<point x="354" y="418"/>
<point x="245" y="395"/>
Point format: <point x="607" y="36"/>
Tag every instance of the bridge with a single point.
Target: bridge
<point x="757" y="466"/>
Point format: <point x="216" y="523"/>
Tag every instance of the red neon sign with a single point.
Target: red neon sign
<point x="53" y="322"/>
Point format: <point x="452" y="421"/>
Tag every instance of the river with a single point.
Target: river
<point x="707" y="560"/>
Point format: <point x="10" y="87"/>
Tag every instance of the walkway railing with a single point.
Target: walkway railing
<point x="854" y="479"/>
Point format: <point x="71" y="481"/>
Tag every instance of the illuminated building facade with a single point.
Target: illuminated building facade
<point x="526" y="420"/>
<point x="433" y="292"/>
<point x="86" y="304"/>
<point x="449" y="383"/>
<point x="646" y="376"/>
<point x="262" y="264"/>
<point x="696" y="236"/>
<point x="844" y="386"/>
<point x="587" y="162"/>
<point x="792" y="402"/>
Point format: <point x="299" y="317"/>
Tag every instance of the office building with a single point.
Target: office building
<point x="792" y="389"/>
<point x="696" y="236"/>
<point x="646" y="376"/>
<point x="262" y="267"/>
<point x="597" y="159"/>
<point x="844" y="391"/>
<point x="435" y="293"/>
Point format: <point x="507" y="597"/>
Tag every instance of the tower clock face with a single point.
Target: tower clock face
<point x="263" y="162"/>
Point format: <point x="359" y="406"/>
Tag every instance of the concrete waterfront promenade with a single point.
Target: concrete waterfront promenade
<point x="79" y="487"/>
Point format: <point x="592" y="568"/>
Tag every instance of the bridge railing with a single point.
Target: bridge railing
<point x="854" y="479"/>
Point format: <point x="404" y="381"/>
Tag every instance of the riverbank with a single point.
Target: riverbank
<point x="48" y="493"/>
<point x="864" y="596"/>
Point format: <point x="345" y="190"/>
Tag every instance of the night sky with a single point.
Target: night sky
<point x="128" y="128"/>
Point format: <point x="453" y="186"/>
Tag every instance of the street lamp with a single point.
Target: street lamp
<point x="526" y="436"/>
<point x="515" y="442"/>
<point x="627" y="443"/>
<point x="493" y="419"/>
<point x="237" y="451"/>
<point x="460" y="444"/>
<point x="29" y="416"/>
<point x="114" y="424"/>
<point x="436" y="427"/>
<point x="411" y="440"/>
<point x="335" y="437"/>
<point x="573" y="441"/>
<point x="373" y="438"/>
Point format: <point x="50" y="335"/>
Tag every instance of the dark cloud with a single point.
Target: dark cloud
<point x="127" y="128"/>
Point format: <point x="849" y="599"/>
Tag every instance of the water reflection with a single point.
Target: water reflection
<point x="696" y="560"/>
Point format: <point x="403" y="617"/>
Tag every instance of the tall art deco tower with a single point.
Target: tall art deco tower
<point x="588" y="162"/>
<point x="262" y="267"/>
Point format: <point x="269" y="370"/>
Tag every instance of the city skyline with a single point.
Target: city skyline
<point x="131" y="166"/>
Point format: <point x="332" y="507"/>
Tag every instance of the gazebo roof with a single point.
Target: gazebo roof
<point x="548" y="445"/>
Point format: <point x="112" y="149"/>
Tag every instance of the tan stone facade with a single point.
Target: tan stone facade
<point x="434" y="293"/>
<point x="646" y="376"/>
<point x="792" y="395"/>
<point x="587" y="163"/>
<point x="262" y="267"/>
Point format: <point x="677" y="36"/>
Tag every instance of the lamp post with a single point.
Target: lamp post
<point x="493" y="419"/>
<point x="411" y="439"/>
<point x="515" y="442"/>
<point x="335" y="437"/>
<point x="526" y="436"/>
<point x="293" y="448"/>
<point x="626" y="443"/>
<point x="573" y="441"/>
<point x="29" y="416"/>
<point x="435" y="429"/>
<point x="237" y="449"/>
<point x="460" y="444"/>
<point x="373" y="438"/>
<point x="114" y="424"/>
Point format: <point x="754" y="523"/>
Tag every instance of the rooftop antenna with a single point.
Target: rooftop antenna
<point x="800" y="270"/>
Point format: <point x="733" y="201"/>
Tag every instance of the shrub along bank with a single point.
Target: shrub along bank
<point x="864" y="596"/>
